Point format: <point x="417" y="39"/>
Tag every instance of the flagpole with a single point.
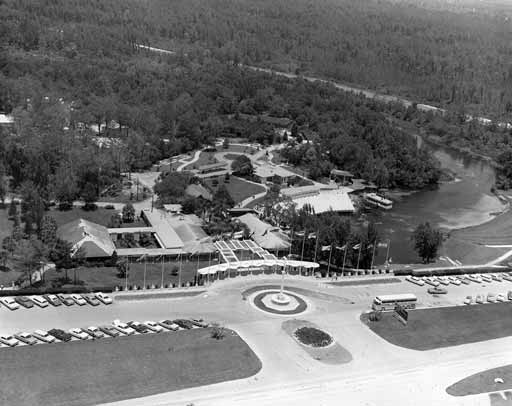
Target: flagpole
<point x="179" y="272"/>
<point x="303" y="242"/>
<point x="329" y="265"/>
<point x="359" y="254"/>
<point x="316" y="244"/>
<point x="344" y="257"/>
<point x="163" y="268"/>
<point x="373" y="254"/>
<point x="126" y="275"/>
<point x="145" y="269"/>
<point x="291" y="243"/>
<point x="387" y="253"/>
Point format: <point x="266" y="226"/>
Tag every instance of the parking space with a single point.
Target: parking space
<point x="43" y="301"/>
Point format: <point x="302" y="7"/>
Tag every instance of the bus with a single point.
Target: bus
<point x="388" y="302"/>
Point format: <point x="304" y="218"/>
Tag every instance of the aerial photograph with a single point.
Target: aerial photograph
<point x="256" y="202"/>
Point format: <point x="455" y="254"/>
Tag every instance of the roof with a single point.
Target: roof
<point x="173" y="207"/>
<point x="298" y="191"/>
<point x="264" y="234"/>
<point x="164" y="232"/>
<point x="198" y="190"/>
<point x="339" y="172"/>
<point x="188" y="228"/>
<point x="93" y="238"/>
<point x="131" y="230"/>
<point x="326" y="200"/>
<point x="212" y="166"/>
<point x="266" y="171"/>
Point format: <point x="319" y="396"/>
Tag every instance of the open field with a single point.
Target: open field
<point x="92" y="372"/>
<point x="428" y="329"/>
<point x="483" y="382"/>
<point x="205" y="158"/>
<point x="107" y="276"/>
<point x="239" y="189"/>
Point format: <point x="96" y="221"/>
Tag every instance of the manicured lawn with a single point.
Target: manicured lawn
<point x="238" y="188"/>
<point x="428" y="329"/>
<point x="205" y="158"/>
<point x="483" y="382"/>
<point x="99" y="216"/>
<point x="113" y="369"/>
<point x="107" y="276"/>
<point x="237" y="148"/>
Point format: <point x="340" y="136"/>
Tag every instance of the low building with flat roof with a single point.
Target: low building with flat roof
<point x="324" y="200"/>
<point x="264" y="234"/>
<point x="273" y="173"/>
<point x="164" y="233"/>
<point x="198" y="190"/>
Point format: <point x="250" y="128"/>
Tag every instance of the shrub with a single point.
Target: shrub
<point x="109" y="207"/>
<point x="313" y="337"/>
<point x="218" y="332"/>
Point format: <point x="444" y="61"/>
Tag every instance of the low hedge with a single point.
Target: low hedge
<point x="452" y="271"/>
<point x="48" y="291"/>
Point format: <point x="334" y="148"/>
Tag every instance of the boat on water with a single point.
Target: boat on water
<point x="374" y="200"/>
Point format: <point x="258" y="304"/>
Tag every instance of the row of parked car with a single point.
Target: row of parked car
<point x="490" y="298"/>
<point x="14" y="303"/>
<point x="437" y="281"/>
<point x="116" y="329"/>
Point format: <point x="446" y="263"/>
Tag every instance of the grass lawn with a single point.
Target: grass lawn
<point x="239" y="189"/>
<point x="5" y="224"/>
<point x="205" y="158"/>
<point x="107" y="276"/>
<point x="113" y="369"/>
<point x="237" y="148"/>
<point x="483" y="382"/>
<point x="428" y="329"/>
<point x="99" y="216"/>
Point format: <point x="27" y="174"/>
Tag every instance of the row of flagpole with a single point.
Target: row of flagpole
<point x="343" y="248"/>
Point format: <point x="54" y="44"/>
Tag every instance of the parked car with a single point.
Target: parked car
<point x="60" y="334"/>
<point x="454" y="280"/>
<point x="475" y="278"/>
<point x="186" y="324"/>
<point x="79" y="300"/>
<point x="10" y="303"/>
<point x="468" y="300"/>
<point x="103" y="298"/>
<point x="479" y="299"/>
<point x="169" y="325"/>
<point x="506" y="277"/>
<point x="496" y="277"/>
<point x="92" y="300"/>
<point x="139" y="327"/>
<point x="432" y="281"/>
<point x="415" y="280"/>
<point x="8" y="340"/>
<point x="43" y="336"/>
<point x="123" y="327"/>
<point x="39" y="301"/>
<point x="109" y="331"/>
<point x="501" y="298"/>
<point x="153" y="326"/>
<point x="199" y="323"/>
<point x="509" y="295"/>
<point x="437" y="291"/>
<point x="78" y="333"/>
<point x="491" y="298"/>
<point x="53" y="300"/>
<point x="66" y="299"/>
<point x="25" y="338"/>
<point x="463" y="279"/>
<point x="24" y="301"/>
<point x="443" y="280"/>
<point x="486" y="278"/>
<point x="94" y="332"/>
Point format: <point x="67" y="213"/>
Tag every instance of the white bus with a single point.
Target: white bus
<point x="388" y="302"/>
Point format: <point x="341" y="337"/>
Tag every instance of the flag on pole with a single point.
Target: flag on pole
<point x="311" y="236"/>
<point x="141" y="258"/>
<point x="382" y="245"/>
<point x="342" y="248"/>
<point x="357" y="246"/>
<point x="326" y="248"/>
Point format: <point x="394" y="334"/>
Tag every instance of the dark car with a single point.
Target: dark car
<point x="169" y="325"/>
<point x="437" y="291"/>
<point x="66" y="300"/>
<point x="109" y="331"/>
<point x="199" y="323"/>
<point x="60" y="334"/>
<point x="53" y="300"/>
<point x="91" y="300"/>
<point x="24" y="301"/>
<point x="186" y="324"/>
<point x="139" y="327"/>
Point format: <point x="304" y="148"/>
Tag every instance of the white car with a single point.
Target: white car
<point x="491" y="298"/>
<point x="8" y="340"/>
<point x="443" y="280"/>
<point x="123" y="327"/>
<point x="468" y="300"/>
<point x="103" y="298"/>
<point x="153" y="326"/>
<point x="454" y="280"/>
<point x="432" y="281"/>
<point x="39" y="301"/>
<point x="501" y="298"/>
<point x="415" y="280"/>
<point x="43" y="336"/>
<point x="79" y="300"/>
<point x="475" y="278"/>
<point x="78" y="333"/>
<point x="10" y="303"/>
<point x="486" y="278"/>
<point x="496" y="277"/>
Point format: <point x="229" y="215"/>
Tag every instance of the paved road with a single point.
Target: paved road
<point x="380" y="373"/>
<point x="186" y="163"/>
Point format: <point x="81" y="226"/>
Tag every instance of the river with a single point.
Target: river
<point x="463" y="202"/>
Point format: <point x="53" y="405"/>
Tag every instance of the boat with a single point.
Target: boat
<point x="373" y="199"/>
